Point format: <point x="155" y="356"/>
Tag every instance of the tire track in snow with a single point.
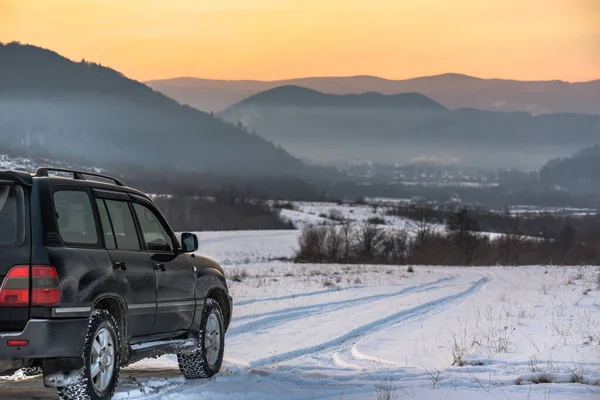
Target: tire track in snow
<point x="278" y="317"/>
<point x="299" y="295"/>
<point x="378" y="324"/>
<point x="294" y="296"/>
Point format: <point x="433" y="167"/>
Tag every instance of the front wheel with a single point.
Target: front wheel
<point x="101" y="355"/>
<point x="206" y="360"/>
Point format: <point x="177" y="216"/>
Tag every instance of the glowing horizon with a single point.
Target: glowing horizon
<point x="282" y="39"/>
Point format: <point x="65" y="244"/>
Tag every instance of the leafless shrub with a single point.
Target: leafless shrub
<point x="577" y="375"/>
<point x="578" y="276"/>
<point x="386" y="389"/>
<point x="586" y="290"/>
<point x="458" y="352"/>
<point x="328" y="282"/>
<point x="569" y="281"/>
<point x="368" y="241"/>
<point x="376" y="221"/>
<point x="239" y="275"/>
<point x="533" y="364"/>
<point x="434" y="377"/>
<point x="284" y="206"/>
<point x="312" y="241"/>
<point x="336" y="215"/>
<point x="536" y="379"/>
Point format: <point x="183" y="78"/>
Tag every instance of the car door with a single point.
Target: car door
<point x="133" y="268"/>
<point x="175" y="283"/>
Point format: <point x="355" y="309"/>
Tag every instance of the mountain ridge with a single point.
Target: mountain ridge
<point x="293" y="95"/>
<point x="56" y="108"/>
<point x="452" y="90"/>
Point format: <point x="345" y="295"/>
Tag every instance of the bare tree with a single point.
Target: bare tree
<point x="368" y="241"/>
<point x="462" y="227"/>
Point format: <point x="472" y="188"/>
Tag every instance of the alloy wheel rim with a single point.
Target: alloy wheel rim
<point x="212" y="339"/>
<point x="102" y="359"/>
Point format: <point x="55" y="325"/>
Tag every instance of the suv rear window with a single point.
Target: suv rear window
<point x="12" y="215"/>
<point x="75" y="217"/>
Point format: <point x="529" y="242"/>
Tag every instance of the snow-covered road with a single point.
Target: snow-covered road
<point x="355" y="332"/>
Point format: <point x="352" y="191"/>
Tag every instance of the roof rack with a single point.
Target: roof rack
<point x="43" y="172"/>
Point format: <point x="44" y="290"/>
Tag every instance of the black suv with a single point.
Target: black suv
<point x="93" y="278"/>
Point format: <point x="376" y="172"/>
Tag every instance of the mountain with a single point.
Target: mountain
<point x="297" y="96"/>
<point x="408" y="128"/>
<point x="452" y="90"/>
<point x="55" y="108"/>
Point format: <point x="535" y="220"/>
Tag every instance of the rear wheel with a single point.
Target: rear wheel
<point x="101" y="357"/>
<point x="206" y="360"/>
<point x="32" y="371"/>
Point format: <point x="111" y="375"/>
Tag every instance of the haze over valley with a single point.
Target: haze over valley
<point x="409" y="128"/>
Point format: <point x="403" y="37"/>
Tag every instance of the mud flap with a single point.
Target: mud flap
<point x="62" y="372"/>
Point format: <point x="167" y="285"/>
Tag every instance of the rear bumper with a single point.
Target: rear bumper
<point x="48" y="338"/>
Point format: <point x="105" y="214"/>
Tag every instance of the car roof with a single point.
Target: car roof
<point x="61" y="180"/>
<point x="30" y="179"/>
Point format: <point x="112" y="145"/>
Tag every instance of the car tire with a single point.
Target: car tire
<point x="206" y="360"/>
<point x="32" y="371"/>
<point x="101" y="358"/>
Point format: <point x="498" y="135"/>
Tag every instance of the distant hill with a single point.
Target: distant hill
<point x="409" y="128"/>
<point x="55" y="108"/>
<point x="577" y="172"/>
<point x="451" y="90"/>
<point x="302" y="97"/>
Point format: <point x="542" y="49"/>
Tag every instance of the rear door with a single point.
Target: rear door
<point x="175" y="283"/>
<point x="15" y="248"/>
<point x="133" y="267"/>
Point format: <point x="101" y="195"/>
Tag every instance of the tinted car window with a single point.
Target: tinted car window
<point x="12" y="219"/>
<point x="155" y="234"/>
<point x="123" y="225"/>
<point x="75" y="218"/>
<point x="109" y="237"/>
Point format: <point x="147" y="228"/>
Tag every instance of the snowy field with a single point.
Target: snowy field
<point x="360" y="332"/>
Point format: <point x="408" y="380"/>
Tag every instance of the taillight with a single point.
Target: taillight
<point x="45" y="287"/>
<point x="14" y="291"/>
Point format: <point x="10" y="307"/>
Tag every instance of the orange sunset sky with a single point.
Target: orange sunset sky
<point x="274" y="39"/>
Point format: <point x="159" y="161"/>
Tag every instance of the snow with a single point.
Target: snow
<point x="353" y="332"/>
<point x="16" y="163"/>
<point x="243" y="247"/>
<point x="294" y="336"/>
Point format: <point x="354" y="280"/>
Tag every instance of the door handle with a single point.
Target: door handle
<point x="160" y="267"/>
<point x="121" y="266"/>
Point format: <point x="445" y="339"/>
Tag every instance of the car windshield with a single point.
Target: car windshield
<point x="12" y="232"/>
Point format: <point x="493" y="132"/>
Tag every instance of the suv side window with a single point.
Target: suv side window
<point x="75" y="217"/>
<point x="123" y="226"/>
<point x="155" y="234"/>
<point x="109" y="237"/>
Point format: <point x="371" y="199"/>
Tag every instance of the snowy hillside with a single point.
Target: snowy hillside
<point x="10" y="162"/>
<point x="319" y="213"/>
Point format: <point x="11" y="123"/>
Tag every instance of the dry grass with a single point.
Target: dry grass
<point x="386" y="389"/>
<point x="239" y="275"/>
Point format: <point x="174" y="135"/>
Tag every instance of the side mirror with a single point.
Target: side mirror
<point x="189" y="242"/>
